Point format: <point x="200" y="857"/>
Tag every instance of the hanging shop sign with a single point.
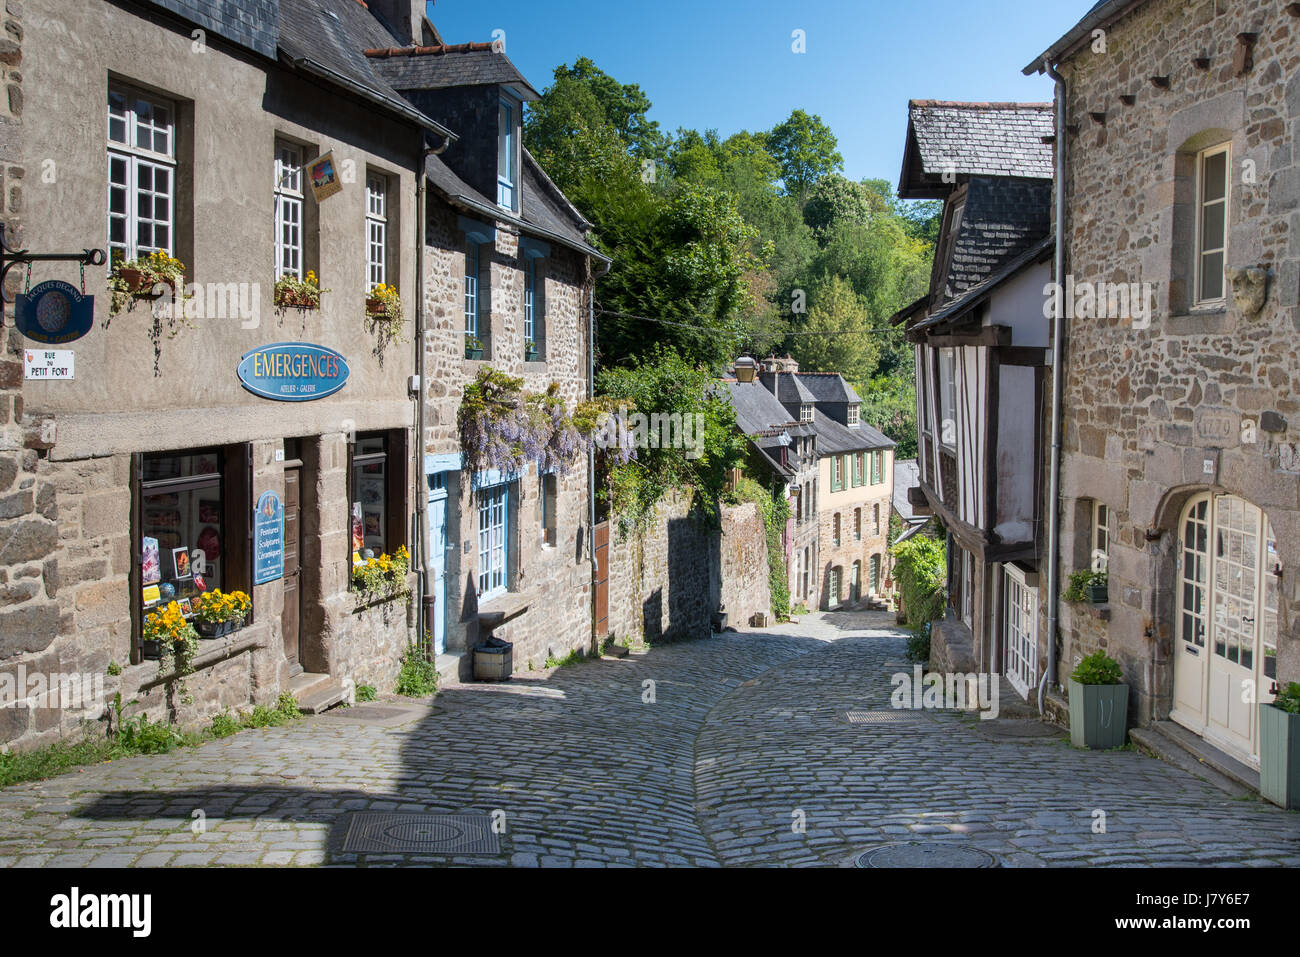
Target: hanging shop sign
<point x="324" y="175"/>
<point x="268" y="539"/>
<point x="48" y="365"/>
<point x="54" y="312"/>
<point x="293" y="371"/>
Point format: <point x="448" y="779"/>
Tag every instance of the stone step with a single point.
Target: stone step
<point x="318" y="693"/>
<point x="1173" y="743"/>
<point x="448" y="665"/>
<point x="615" y="651"/>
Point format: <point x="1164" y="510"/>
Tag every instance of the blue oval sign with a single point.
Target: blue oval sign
<point x="54" y="312"/>
<point x="293" y="371"/>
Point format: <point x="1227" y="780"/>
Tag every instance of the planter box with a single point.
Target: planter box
<point x="1279" y="757"/>
<point x="1098" y="715"/>
<point x="139" y="285"/>
<point x="473" y="353"/>
<point x="151" y="649"/>
<point x="1098" y="594"/>
<point x="296" y="302"/>
<point x="493" y="660"/>
<point x="217" y="629"/>
<point x="532" y="355"/>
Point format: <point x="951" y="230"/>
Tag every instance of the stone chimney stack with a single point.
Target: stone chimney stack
<point x="406" y="17"/>
<point x="789" y="364"/>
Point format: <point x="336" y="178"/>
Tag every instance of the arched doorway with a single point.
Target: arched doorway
<point x="1225" y="656"/>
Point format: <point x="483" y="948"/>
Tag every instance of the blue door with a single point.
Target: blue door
<point x="438" y="558"/>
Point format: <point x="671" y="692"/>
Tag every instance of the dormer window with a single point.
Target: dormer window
<point x="805" y="413"/>
<point x="508" y="155"/>
<point x="853" y="414"/>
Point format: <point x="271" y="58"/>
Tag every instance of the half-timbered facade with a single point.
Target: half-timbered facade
<point x="980" y="339"/>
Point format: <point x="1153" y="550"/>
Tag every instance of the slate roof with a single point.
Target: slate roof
<point x="973" y="139"/>
<point x="828" y="387"/>
<point x="757" y="409"/>
<point x="327" y="37"/>
<point x="907" y="474"/>
<point x="1102" y="14"/>
<point x="964" y="305"/>
<point x="833" y="437"/>
<point x="544" y="211"/>
<point x="790" y="388"/>
<point x="436" y="68"/>
<point x="1002" y="219"/>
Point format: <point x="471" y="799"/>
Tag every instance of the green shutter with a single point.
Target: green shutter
<point x="857" y="472"/>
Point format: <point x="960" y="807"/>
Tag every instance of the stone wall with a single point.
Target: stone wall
<point x="1155" y="414"/>
<point x="741" y="580"/>
<point x="660" y="580"/>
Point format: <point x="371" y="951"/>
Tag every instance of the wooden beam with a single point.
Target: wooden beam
<point x="984" y="336"/>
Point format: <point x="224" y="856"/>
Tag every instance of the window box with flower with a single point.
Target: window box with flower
<point x="384" y="309"/>
<point x="217" y="613"/>
<point x="142" y="278"/>
<point x="294" y="293"/>
<point x="382" y="577"/>
<point x="169" y="637"/>
<point x="473" y="347"/>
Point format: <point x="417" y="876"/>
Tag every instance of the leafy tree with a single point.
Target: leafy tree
<point x="623" y="107"/>
<point x="836" y="337"/>
<point x="835" y="200"/>
<point x="806" y="149"/>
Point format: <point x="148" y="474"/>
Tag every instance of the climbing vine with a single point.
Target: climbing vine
<point x="919" y="568"/>
<point x="775" y="511"/>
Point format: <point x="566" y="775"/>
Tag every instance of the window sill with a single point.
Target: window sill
<point x="503" y="607"/>
<point x="213" y="651"/>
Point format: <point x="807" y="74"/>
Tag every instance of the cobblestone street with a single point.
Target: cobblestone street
<point x="746" y="735"/>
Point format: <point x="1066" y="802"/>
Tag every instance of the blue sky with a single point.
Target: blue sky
<point x="727" y="64"/>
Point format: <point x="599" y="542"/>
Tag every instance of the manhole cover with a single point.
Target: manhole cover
<point x="917" y="854"/>
<point x="881" y="717"/>
<point x="421" y="834"/>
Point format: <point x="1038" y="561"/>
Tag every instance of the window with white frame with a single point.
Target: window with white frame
<point x="805" y="413"/>
<point x="507" y="158"/>
<point x="288" y="210"/>
<point x="875" y="519"/>
<point x="854" y="414"/>
<point x="833" y="588"/>
<point x="492" y="546"/>
<point x="857" y="524"/>
<point x="948" y="398"/>
<point x="376" y="230"/>
<point x="141" y="174"/>
<point x="1212" y="167"/>
<point x="471" y="290"/>
<point x="1100" y="537"/>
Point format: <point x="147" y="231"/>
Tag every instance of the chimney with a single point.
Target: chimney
<point x="404" y="17"/>
<point x="789" y="364"/>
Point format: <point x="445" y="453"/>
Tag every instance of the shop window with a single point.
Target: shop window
<point x="191" y="518"/>
<point x="378" y="492"/>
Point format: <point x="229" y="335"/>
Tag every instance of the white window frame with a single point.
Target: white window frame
<point x="805" y="413"/>
<point x="1099" y="560"/>
<point x="1201" y="206"/>
<point x="854" y="415"/>
<point x="948" y="396"/>
<point x="136" y="160"/>
<point x="472" y="266"/>
<point x="508" y="154"/>
<point x="289" y="208"/>
<point x="493" y="541"/>
<point x="376" y="229"/>
<point x="530" y="300"/>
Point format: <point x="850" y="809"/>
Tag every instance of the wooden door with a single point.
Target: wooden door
<point x="601" y="554"/>
<point x="292" y="613"/>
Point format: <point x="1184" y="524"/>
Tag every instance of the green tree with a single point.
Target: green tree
<point x="806" y="149"/>
<point x="837" y="336"/>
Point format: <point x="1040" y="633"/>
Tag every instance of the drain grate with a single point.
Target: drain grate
<point x="367" y="713"/>
<point x="882" y="717"/>
<point x="934" y="854"/>
<point x="421" y="834"/>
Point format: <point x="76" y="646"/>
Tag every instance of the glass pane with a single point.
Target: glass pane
<point x="1213" y="221"/>
<point x="186" y="465"/>
<point x="181" y="549"/>
<point x="370" y="492"/>
<point x="1215" y="177"/>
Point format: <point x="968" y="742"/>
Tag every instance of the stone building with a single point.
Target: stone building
<point x="508" y="274"/>
<point x="1180" y="473"/>
<point x="141" y="472"/>
<point x="840" y="474"/>
<point x="981" y="348"/>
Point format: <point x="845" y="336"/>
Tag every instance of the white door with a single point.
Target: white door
<point x="1020" y="630"/>
<point x="1225" y="659"/>
<point x="438" y="558"/>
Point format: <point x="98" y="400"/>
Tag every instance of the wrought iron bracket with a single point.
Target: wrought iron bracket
<point x="9" y="258"/>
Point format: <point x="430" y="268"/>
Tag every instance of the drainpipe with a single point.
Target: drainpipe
<point x="1058" y="392"/>
<point x="426" y="599"/>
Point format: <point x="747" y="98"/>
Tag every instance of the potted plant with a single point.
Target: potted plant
<point x="530" y="351"/>
<point x="1098" y="703"/>
<point x="1279" y="749"/>
<point x="1088" y="586"/>
<point x="169" y="637"/>
<point x="139" y="278"/>
<point x="294" y="293"/>
<point x="473" y="347"/>
<point x="383" y="576"/>
<point x="218" y="614"/>
<point x="384" y="309"/>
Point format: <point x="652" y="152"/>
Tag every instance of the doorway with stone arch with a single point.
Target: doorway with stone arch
<point x="1226" y="620"/>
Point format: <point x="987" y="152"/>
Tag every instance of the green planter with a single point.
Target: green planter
<point x="1098" y="715"/>
<point x="1279" y="757"/>
<point x="1098" y="594"/>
